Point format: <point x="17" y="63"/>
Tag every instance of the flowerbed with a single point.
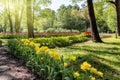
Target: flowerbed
<point x="50" y="65"/>
<point x="9" y="35"/>
<point x="61" y="41"/>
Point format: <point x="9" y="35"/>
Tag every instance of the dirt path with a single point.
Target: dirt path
<point x="12" y="69"/>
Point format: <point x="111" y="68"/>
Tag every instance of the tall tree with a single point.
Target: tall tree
<point x="95" y="34"/>
<point x="48" y="17"/>
<point x="117" y="5"/>
<point x="101" y="16"/>
<point x="9" y="14"/>
<point x="86" y="17"/>
<point x="5" y="17"/>
<point x="30" y="19"/>
<point x="18" y="11"/>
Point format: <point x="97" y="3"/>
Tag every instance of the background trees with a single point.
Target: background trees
<point x="92" y="19"/>
<point x="71" y="18"/>
<point x="67" y="18"/>
<point x="48" y="17"/>
<point x="101" y="17"/>
<point x="117" y="7"/>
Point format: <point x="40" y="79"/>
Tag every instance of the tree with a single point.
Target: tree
<point x="101" y="18"/>
<point x="78" y="20"/>
<point x="48" y="17"/>
<point x="86" y="16"/>
<point x="18" y="11"/>
<point x="9" y="14"/>
<point x="109" y="15"/>
<point x="3" y="16"/>
<point x="12" y="14"/>
<point x="117" y="5"/>
<point x="71" y="18"/>
<point x="30" y="19"/>
<point x="36" y="9"/>
<point x="95" y="34"/>
<point x="65" y="18"/>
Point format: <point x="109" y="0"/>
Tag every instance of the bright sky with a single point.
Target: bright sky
<point x="57" y="3"/>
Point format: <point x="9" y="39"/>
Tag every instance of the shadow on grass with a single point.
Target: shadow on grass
<point x="109" y="72"/>
<point x="98" y="50"/>
<point x="114" y="43"/>
<point x="94" y="57"/>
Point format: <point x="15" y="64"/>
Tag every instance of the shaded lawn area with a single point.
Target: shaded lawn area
<point x="104" y="56"/>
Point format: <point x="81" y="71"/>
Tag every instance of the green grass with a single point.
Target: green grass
<point x="104" y="56"/>
<point x="4" y="41"/>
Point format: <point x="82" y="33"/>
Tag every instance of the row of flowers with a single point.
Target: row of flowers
<point x="40" y="32"/>
<point x="49" y="64"/>
<point x="61" y="41"/>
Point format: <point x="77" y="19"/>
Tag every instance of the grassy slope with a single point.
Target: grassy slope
<point x="104" y="56"/>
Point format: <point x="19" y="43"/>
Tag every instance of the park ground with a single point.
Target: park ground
<point x="104" y="56"/>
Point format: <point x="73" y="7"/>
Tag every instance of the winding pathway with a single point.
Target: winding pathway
<point x="12" y="69"/>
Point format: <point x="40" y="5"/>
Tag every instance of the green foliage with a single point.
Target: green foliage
<point x="12" y="36"/>
<point x="60" y="41"/>
<point x="71" y="18"/>
<point x="48" y="16"/>
<point x="102" y="25"/>
<point x="100" y="17"/>
<point x="111" y="17"/>
<point x="16" y="48"/>
<point x="66" y="17"/>
<point x="48" y="64"/>
<point x="105" y="16"/>
<point x="77" y="39"/>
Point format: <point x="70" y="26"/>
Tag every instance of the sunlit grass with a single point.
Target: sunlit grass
<point x="105" y="56"/>
<point x="4" y="42"/>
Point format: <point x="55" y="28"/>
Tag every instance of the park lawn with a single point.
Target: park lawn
<point x="104" y="56"/>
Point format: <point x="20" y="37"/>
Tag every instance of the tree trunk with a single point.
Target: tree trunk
<point x="30" y="19"/>
<point x="4" y="27"/>
<point x="118" y="16"/>
<point x="9" y="18"/>
<point x="17" y="23"/>
<point x="10" y="22"/>
<point x="5" y="23"/>
<point x="87" y="24"/>
<point x="5" y="17"/>
<point x="95" y="34"/>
